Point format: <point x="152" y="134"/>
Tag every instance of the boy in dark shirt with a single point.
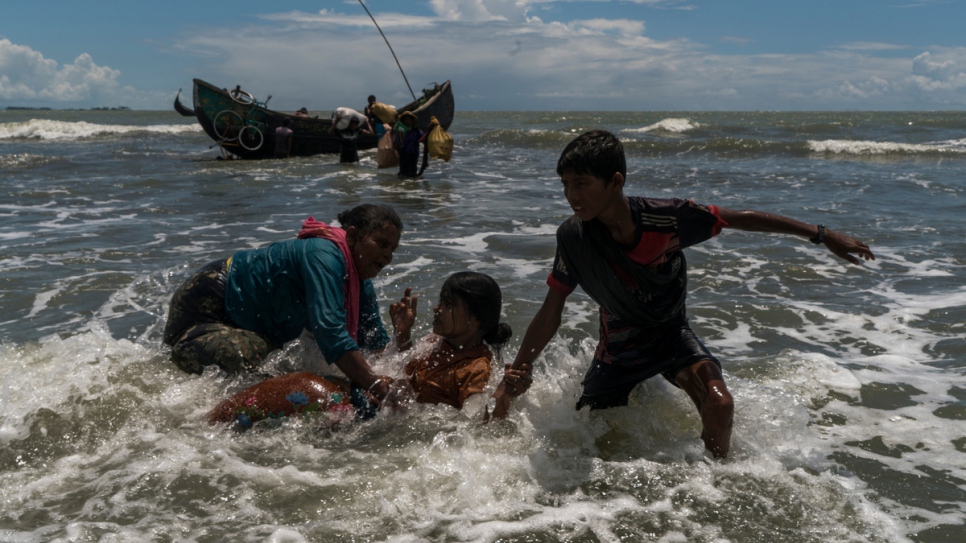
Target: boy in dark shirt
<point x="626" y="253"/>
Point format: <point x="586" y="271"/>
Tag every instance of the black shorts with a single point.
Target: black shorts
<point x="668" y="352"/>
<point x="349" y="152"/>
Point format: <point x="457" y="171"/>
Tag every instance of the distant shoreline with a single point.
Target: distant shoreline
<point x="24" y="108"/>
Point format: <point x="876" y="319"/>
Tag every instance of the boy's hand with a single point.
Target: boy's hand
<point x="403" y="317"/>
<point x="842" y="245"/>
<point x="517" y="381"/>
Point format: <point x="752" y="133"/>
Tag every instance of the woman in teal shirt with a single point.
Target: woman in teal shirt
<point x="232" y="313"/>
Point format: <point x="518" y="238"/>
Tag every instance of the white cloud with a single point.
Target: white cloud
<point x="499" y="56"/>
<point x="517" y="10"/>
<point x="932" y="80"/>
<point x="871" y="46"/>
<point x="941" y="75"/>
<point x="621" y="27"/>
<point x="339" y="20"/>
<point x="27" y="77"/>
<point x="872" y="88"/>
<point x="944" y="70"/>
<point x="476" y="11"/>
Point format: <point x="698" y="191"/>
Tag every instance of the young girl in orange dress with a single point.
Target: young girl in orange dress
<point x="448" y="366"/>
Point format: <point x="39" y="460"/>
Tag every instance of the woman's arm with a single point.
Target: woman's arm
<point x="355" y="367"/>
<point x="323" y="270"/>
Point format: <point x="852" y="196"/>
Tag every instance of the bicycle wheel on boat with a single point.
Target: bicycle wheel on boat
<point x="228" y="125"/>
<point x="242" y="97"/>
<point x="251" y="138"/>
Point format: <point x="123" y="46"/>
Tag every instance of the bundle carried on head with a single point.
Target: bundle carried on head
<point x="384" y="112"/>
<point x="345" y="115"/>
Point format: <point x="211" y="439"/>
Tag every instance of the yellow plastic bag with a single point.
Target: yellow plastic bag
<point x="384" y="112"/>
<point x="386" y="155"/>
<point x="439" y="142"/>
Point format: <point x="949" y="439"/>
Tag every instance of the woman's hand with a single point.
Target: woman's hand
<point x="403" y="317"/>
<point x="379" y="388"/>
<point x="400" y="396"/>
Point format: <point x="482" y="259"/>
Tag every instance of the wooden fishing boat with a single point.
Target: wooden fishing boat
<point x="181" y="108"/>
<point x="245" y="127"/>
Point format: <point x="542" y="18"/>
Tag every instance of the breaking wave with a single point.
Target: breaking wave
<point x="47" y="130"/>
<point x="672" y="125"/>
<point x="866" y="148"/>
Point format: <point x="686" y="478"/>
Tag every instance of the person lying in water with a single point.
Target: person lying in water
<point x="450" y="365"/>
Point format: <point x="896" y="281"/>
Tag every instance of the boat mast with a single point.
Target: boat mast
<point x="390" y="48"/>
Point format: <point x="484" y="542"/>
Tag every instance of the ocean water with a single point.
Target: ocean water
<point x="849" y="381"/>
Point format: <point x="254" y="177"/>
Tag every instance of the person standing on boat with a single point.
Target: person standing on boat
<point x="349" y="151"/>
<point x="234" y="312"/>
<point x="408" y="137"/>
<point x="377" y="127"/>
<point x="283" y="139"/>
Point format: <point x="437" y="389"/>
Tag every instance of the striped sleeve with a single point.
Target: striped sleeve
<point x="559" y="280"/>
<point x="692" y="222"/>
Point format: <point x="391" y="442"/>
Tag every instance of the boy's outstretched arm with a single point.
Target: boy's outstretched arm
<point x="840" y="244"/>
<point x="519" y="375"/>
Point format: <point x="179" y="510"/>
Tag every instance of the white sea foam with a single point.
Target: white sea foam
<point x="14" y="235"/>
<point x="42" y="129"/>
<point x="846" y="379"/>
<point x="443" y="472"/>
<point x="849" y="147"/>
<point x="24" y="160"/>
<point x="673" y="124"/>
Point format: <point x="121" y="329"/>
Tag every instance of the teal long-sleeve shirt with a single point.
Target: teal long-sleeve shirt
<point x="279" y="290"/>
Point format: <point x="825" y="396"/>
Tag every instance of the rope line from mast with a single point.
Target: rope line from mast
<point x="390" y="48"/>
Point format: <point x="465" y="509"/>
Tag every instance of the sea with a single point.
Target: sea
<point x="849" y="381"/>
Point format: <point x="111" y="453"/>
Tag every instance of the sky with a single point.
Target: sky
<point x="565" y="55"/>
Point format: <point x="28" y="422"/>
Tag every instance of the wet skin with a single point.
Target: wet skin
<point x="373" y="251"/>
<point x="454" y="322"/>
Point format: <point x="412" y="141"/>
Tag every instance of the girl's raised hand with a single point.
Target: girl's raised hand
<point x="403" y="317"/>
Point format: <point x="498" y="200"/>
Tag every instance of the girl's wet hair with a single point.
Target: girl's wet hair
<point x="598" y="153"/>
<point x="368" y="218"/>
<point x="483" y="299"/>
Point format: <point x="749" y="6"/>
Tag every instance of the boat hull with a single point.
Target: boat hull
<point x="180" y="108"/>
<point x="247" y="130"/>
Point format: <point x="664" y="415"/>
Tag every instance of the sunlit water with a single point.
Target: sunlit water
<point x="849" y="381"/>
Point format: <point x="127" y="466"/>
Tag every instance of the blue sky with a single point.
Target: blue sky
<point x="500" y="54"/>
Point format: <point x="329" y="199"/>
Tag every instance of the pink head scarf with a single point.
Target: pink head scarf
<point x="312" y="228"/>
